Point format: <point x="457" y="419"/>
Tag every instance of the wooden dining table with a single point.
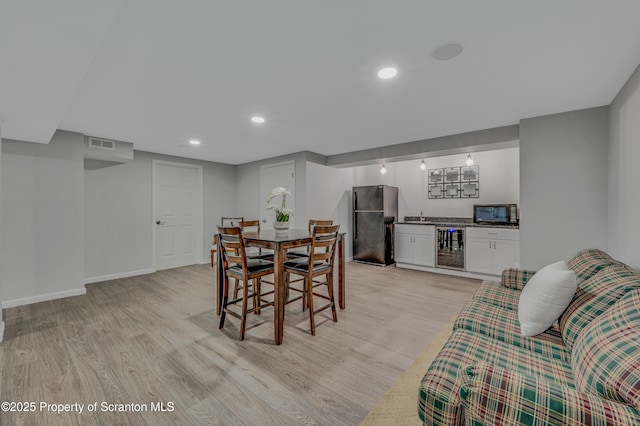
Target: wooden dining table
<point x="279" y="242"/>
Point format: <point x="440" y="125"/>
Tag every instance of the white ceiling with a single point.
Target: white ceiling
<point x="158" y="73"/>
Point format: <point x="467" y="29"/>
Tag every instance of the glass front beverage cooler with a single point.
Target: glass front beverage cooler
<point x="450" y="248"/>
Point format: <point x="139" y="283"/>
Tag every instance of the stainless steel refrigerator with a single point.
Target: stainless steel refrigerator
<point x="375" y="209"/>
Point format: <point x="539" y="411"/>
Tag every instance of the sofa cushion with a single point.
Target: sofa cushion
<point x="516" y="278"/>
<point x="439" y="398"/>
<point x="545" y="297"/>
<point x="503" y="325"/>
<point x="588" y="262"/>
<point x="496" y="294"/>
<point x="606" y="355"/>
<point x="495" y="396"/>
<point x="594" y="296"/>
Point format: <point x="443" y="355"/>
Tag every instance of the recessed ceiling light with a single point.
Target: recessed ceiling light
<point x="194" y="142"/>
<point x="446" y="52"/>
<point x="258" y="119"/>
<point x="386" y="73"/>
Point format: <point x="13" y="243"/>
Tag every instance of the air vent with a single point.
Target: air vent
<point x="102" y="144"/>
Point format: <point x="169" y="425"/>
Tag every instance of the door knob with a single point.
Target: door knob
<point x="159" y="222"/>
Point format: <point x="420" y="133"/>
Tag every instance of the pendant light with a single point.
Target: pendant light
<point x="383" y="170"/>
<point x="469" y="160"/>
<point x="423" y="166"/>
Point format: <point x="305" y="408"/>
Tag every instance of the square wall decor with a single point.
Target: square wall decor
<point x="454" y="182"/>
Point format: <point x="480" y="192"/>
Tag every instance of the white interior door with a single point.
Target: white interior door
<point x="271" y="176"/>
<point x="178" y="217"/>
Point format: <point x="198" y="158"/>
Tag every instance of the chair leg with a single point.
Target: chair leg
<point x="212" y="258"/>
<point x="304" y="295"/>
<point x="309" y="291"/>
<point x="287" y="279"/>
<point x="245" y="302"/>
<point x="225" y="299"/>
<point x="236" y="287"/>
<point x="333" y="304"/>
<point x="256" y="296"/>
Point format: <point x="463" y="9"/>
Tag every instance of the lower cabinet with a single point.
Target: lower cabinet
<point x="415" y="244"/>
<point x="492" y="250"/>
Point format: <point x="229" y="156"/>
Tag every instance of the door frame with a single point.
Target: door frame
<point x="198" y="233"/>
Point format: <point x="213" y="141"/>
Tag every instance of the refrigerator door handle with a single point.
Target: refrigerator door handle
<point x="355" y="226"/>
<point x="355" y="200"/>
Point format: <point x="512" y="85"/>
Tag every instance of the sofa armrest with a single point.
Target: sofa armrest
<point x="495" y="396"/>
<point x="516" y="278"/>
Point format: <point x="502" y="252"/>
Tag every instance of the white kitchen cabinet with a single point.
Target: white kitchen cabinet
<point x="479" y="255"/>
<point x="404" y="247"/>
<point x="415" y="244"/>
<point x="491" y="250"/>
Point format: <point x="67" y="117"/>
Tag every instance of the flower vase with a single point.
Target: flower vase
<point x="281" y="226"/>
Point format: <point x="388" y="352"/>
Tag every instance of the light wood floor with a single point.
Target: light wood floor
<point x="154" y="338"/>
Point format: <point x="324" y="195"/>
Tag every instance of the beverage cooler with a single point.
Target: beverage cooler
<point x="450" y="248"/>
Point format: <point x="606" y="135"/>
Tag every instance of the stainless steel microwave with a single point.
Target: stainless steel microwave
<point x="499" y="214"/>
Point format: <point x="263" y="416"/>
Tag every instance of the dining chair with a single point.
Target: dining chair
<point x="237" y="266"/>
<point x="318" y="264"/>
<point x="304" y="251"/>
<point x="226" y="221"/>
<point x="252" y="253"/>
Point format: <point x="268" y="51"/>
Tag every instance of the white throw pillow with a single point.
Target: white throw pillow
<point x="545" y="297"/>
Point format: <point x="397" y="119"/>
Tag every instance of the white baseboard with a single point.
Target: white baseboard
<point x="43" y="298"/>
<point x="92" y="280"/>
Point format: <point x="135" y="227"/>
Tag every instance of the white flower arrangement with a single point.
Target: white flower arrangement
<point x="282" y="212"/>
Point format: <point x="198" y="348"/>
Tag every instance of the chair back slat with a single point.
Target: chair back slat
<point x="324" y="256"/>
<point x="250" y="225"/>
<point x="231" y="221"/>
<point x="318" y="222"/>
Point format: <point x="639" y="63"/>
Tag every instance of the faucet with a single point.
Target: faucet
<point x="421" y="216"/>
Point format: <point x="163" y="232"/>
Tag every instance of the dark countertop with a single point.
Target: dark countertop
<point x="451" y="222"/>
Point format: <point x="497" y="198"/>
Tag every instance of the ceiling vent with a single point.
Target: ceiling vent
<point x="102" y="144"/>
<point x="107" y="152"/>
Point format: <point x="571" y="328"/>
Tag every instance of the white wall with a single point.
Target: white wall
<point x="118" y="233"/>
<point x="328" y="196"/>
<point x="563" y="191"/>
<point x="499" y="182"/>
<point x="63" y="226"/>
<point x="118" y="205"/>
<point x="42" y="219"/>
<point x="624" y="174"/>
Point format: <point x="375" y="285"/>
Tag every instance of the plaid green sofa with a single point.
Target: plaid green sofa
<point x="584" y="370"/>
